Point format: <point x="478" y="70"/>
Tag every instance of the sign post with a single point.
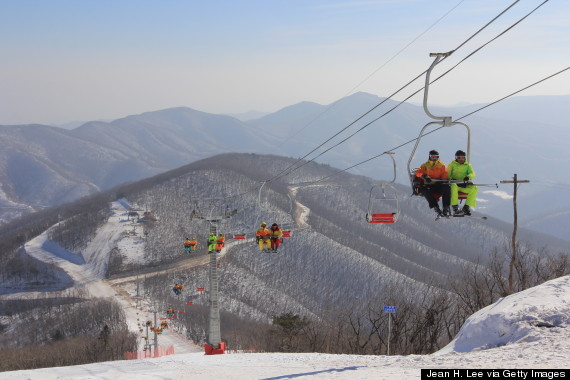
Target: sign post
<point x="389" y="310"/>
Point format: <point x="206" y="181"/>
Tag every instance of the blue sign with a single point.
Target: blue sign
<point x="389" y="309"/>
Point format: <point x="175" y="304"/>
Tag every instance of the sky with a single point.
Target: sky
<point x="504" y="335"/>
<point x="68" y="60"/>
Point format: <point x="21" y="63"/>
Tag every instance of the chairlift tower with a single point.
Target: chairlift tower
<point x="214" y="343"/>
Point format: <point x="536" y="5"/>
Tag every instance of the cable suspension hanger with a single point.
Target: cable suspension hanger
<point x="292" y="167"/>
<point x="469" y="114"/>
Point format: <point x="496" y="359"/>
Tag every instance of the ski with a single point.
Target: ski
<point x="461" y="216"/>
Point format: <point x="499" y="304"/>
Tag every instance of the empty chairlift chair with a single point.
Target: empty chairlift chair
<point x="384" y="208"/>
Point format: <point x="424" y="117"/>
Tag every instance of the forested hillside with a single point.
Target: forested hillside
<point x="334" y="273"/>
<point x="334" y="260"/>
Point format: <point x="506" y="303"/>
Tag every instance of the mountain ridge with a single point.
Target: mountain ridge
<point x="99" y="155"/>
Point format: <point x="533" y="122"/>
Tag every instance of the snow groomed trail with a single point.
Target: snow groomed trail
<point x="88" y="269"/>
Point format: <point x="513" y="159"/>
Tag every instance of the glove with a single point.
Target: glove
<point x="426" y="178"/>
<point x="465" y="183"/>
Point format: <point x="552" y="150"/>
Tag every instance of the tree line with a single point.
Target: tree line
<point x="428" y="316"/>
<point x="65" y="330"/>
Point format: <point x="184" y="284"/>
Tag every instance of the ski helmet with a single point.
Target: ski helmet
<point x="433" y="155"/>
<point x="263" y="224"/>
<point x="460" y="153"/>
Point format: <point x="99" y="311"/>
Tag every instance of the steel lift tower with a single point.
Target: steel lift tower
<point x="214" y="343"/>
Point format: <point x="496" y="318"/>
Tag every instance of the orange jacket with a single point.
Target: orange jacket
<point x="434" y="169"/>
<point x="262" y="233"/>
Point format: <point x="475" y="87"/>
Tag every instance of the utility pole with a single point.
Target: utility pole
<point x="515" y="182"/>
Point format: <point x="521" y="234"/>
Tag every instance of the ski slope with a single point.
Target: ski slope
<point x="88" y="270"/>
<point x="530" y="329"/>
<point x="510" y="334"/>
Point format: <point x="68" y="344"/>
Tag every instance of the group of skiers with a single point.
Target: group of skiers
<point x="435" y="180"/>
<point x="214" y="243"/>
<point x="190" y="245"/>
<point x="269" y="239"/>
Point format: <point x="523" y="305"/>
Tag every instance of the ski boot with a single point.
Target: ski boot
<point x="446" y="211"/>
<point x="467" y="210"/>
<point x="457" y="211"/>
<point x="438" y="212"/>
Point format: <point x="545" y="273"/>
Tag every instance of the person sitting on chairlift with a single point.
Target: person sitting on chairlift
<point x="187" y="245"/>
<point x="262" y="237"/>
<point x="193" y="244"/>
<point x="220" y="242"/>
<point x="430" y="173"/>
<point x="275" y="234"/>
<point x="460" y="169"/>
<point x="212" y="242"/>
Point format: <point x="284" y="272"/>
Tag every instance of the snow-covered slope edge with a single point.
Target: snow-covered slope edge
<point x="538" y="313"/>
<point x="533" y="347"/>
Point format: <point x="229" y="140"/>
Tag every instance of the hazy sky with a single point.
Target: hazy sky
<point x="66" y="60"/>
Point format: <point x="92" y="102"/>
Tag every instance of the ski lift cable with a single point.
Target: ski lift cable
<point x="374" y="72"/>
<point x="419" y="90"/>
<point x="291" y="167"/>
<point x="288" y="170"/>
<point x="491" y="40"/>
<point x="436" y="129"/>
<point x="489" y="23"/>
<point x="514" y="93"/>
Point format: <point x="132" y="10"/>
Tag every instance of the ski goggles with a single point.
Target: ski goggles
<point x="459" y="157"/>
<point x="434" y="156"/>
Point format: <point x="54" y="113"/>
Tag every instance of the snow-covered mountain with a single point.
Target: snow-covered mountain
<point x="46" y="166"/>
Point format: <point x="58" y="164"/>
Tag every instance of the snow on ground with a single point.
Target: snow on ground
<point x="528" y="316"/>
<point x="530" y="329"/>
<point x="513" y="333"/>
<point x="88" y="269"/>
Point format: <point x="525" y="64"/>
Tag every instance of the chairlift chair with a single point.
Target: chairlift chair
<point x="384" y="209"/>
